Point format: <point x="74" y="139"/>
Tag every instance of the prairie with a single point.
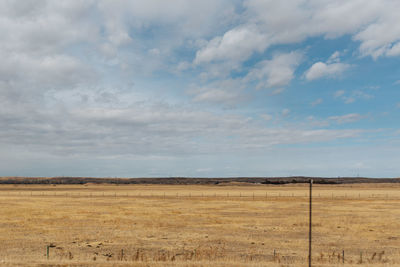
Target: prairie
<point x="198" y="225"/>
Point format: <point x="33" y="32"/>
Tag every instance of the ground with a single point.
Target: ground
<point x="198" y="225"/>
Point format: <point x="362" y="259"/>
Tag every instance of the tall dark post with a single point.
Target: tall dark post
<point x="310" y="226"/>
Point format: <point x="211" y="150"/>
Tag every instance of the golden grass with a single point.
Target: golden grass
<point x="219" y="225"/>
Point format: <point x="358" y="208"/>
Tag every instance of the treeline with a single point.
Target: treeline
<point x="193" y="181"/>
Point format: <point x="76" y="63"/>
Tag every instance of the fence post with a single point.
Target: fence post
<point x="343" y="256"/>
<point x="47" y="251"/>
<point x="310" y="226"/>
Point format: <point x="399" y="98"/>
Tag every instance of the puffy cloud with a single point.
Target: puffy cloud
<point x="267" y="23"/>
<point x="374" y="24"/>
<point x="170" y="24"/>
<point x="320" y="69"/>
<point x="277" y="72"/>
<point x="382" y="37"/>
<point x="235" y="45"/>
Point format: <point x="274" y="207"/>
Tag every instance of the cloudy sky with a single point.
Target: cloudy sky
<point x="200" y="88"/>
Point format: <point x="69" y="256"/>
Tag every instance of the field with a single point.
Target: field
<point x="198" y="225"/>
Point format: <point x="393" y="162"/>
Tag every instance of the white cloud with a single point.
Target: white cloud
<point x="317" y="102"/>
<point x="277" y="91"/>
<point x="266" y="117"/>
<point x="321" y="70"/>
<point x="285" y="112"/>
<point x="215" y="95"/>
<point x="145" y="130"/>
<point x="225" y="92"/>
<point x="348" y="99"/>
<point x="339" y="93"/>
<point x="352" y="117"/>
<point x="371" y="24"/>
<point x="354" y="95"/>
<point x="362" y="95"/>
<point x="268" y="23"/>
<point x="277" y="72"/>
<point x="218" y="96"/>
<point x="235" y="45"/>
<point x="382" y="37"/>
<point x="334" y="57"/>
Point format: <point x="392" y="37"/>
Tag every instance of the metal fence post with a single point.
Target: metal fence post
<point x="310" y="226"/>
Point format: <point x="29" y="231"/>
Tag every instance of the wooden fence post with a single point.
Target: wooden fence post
<point x="343" y="256"/>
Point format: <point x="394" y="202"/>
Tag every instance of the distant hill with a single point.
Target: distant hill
<point x="191" y="181"/>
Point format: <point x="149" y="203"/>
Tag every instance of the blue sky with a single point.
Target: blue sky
<point x="200" y="88"/>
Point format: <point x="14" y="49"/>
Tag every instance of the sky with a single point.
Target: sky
<point x="211" y="88"/>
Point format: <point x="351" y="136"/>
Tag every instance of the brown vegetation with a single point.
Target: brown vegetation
<point x="198" y="225"/>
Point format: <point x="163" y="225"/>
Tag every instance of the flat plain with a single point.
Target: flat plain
<point x="198" y="225"/>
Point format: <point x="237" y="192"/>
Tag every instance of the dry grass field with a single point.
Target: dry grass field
<point x="219" y="225"/>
